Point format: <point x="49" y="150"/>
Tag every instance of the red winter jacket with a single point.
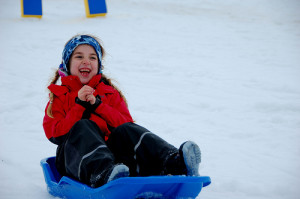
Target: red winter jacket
<point x="111" y="112"/>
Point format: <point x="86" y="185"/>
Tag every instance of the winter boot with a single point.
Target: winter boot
<point x="112" y="173"/>
<point x="118" y="171"/>
<point x="174" y="165"/>
<point x="190" y="152"/>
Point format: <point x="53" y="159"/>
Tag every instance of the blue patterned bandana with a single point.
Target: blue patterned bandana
<point x="70" y="47"/>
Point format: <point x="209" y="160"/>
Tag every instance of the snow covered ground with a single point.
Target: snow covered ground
<point x="222" y="73"/>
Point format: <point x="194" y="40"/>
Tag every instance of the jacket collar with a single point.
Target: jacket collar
<point x="73" y="82"/>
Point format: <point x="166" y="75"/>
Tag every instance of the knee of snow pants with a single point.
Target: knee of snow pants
<point x="142" y="151"/>
<point x="84" y="152"/>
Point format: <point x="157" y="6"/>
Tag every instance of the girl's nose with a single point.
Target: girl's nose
<point x="85" y="62"/>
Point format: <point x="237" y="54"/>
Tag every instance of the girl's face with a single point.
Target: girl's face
<point x="84" y="63"/>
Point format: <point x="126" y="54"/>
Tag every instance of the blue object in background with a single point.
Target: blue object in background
<point x="31" y="8"/>
<point x="128" y="187"/>
<point x="94" y="8"/>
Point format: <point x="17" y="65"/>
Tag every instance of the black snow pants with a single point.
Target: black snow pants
<point x="85" y="153"/>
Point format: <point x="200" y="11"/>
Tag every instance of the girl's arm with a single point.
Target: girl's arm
<point x="56" y="128"/>
<point x="114" y="110"/>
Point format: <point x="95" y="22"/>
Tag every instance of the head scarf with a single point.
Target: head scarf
<point x="72" y="45"/>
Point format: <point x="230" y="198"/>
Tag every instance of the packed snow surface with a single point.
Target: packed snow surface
<point x="225" y="74"/>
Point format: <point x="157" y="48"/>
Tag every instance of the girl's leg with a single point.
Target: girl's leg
<point x="85" y="156"/>
<point x="142" y="151"/>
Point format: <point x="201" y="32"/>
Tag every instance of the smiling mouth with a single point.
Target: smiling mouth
<point x="84" y="72"/>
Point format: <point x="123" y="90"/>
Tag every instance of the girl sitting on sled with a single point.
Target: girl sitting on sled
<point x="88" y="118"/>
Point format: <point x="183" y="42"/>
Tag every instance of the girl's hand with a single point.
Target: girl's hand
<point x="86" y="94"/>
<point x="91" y="99"/>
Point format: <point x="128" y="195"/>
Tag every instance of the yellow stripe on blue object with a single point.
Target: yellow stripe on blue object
<point x="31" y="8"/>
<point x="95" y="8"/>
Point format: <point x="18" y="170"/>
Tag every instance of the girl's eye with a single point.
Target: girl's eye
<point x="78" y="56"/>
<point x="93" y="58"/>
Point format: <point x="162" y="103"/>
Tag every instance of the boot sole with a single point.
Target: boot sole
<point x="118" y="171"/>
<point x="192" y="158"/>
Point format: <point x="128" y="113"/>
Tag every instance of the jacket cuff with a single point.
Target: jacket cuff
<point x="97" y="103"/>
<point x="82" y="103"/>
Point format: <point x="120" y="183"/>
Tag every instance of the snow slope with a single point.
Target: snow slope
<point x="222" y="73"/>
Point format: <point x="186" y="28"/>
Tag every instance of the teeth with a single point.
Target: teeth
<point x="85" y="70"/>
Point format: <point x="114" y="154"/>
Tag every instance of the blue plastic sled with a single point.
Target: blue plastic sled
<point x="129" y="187"/>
